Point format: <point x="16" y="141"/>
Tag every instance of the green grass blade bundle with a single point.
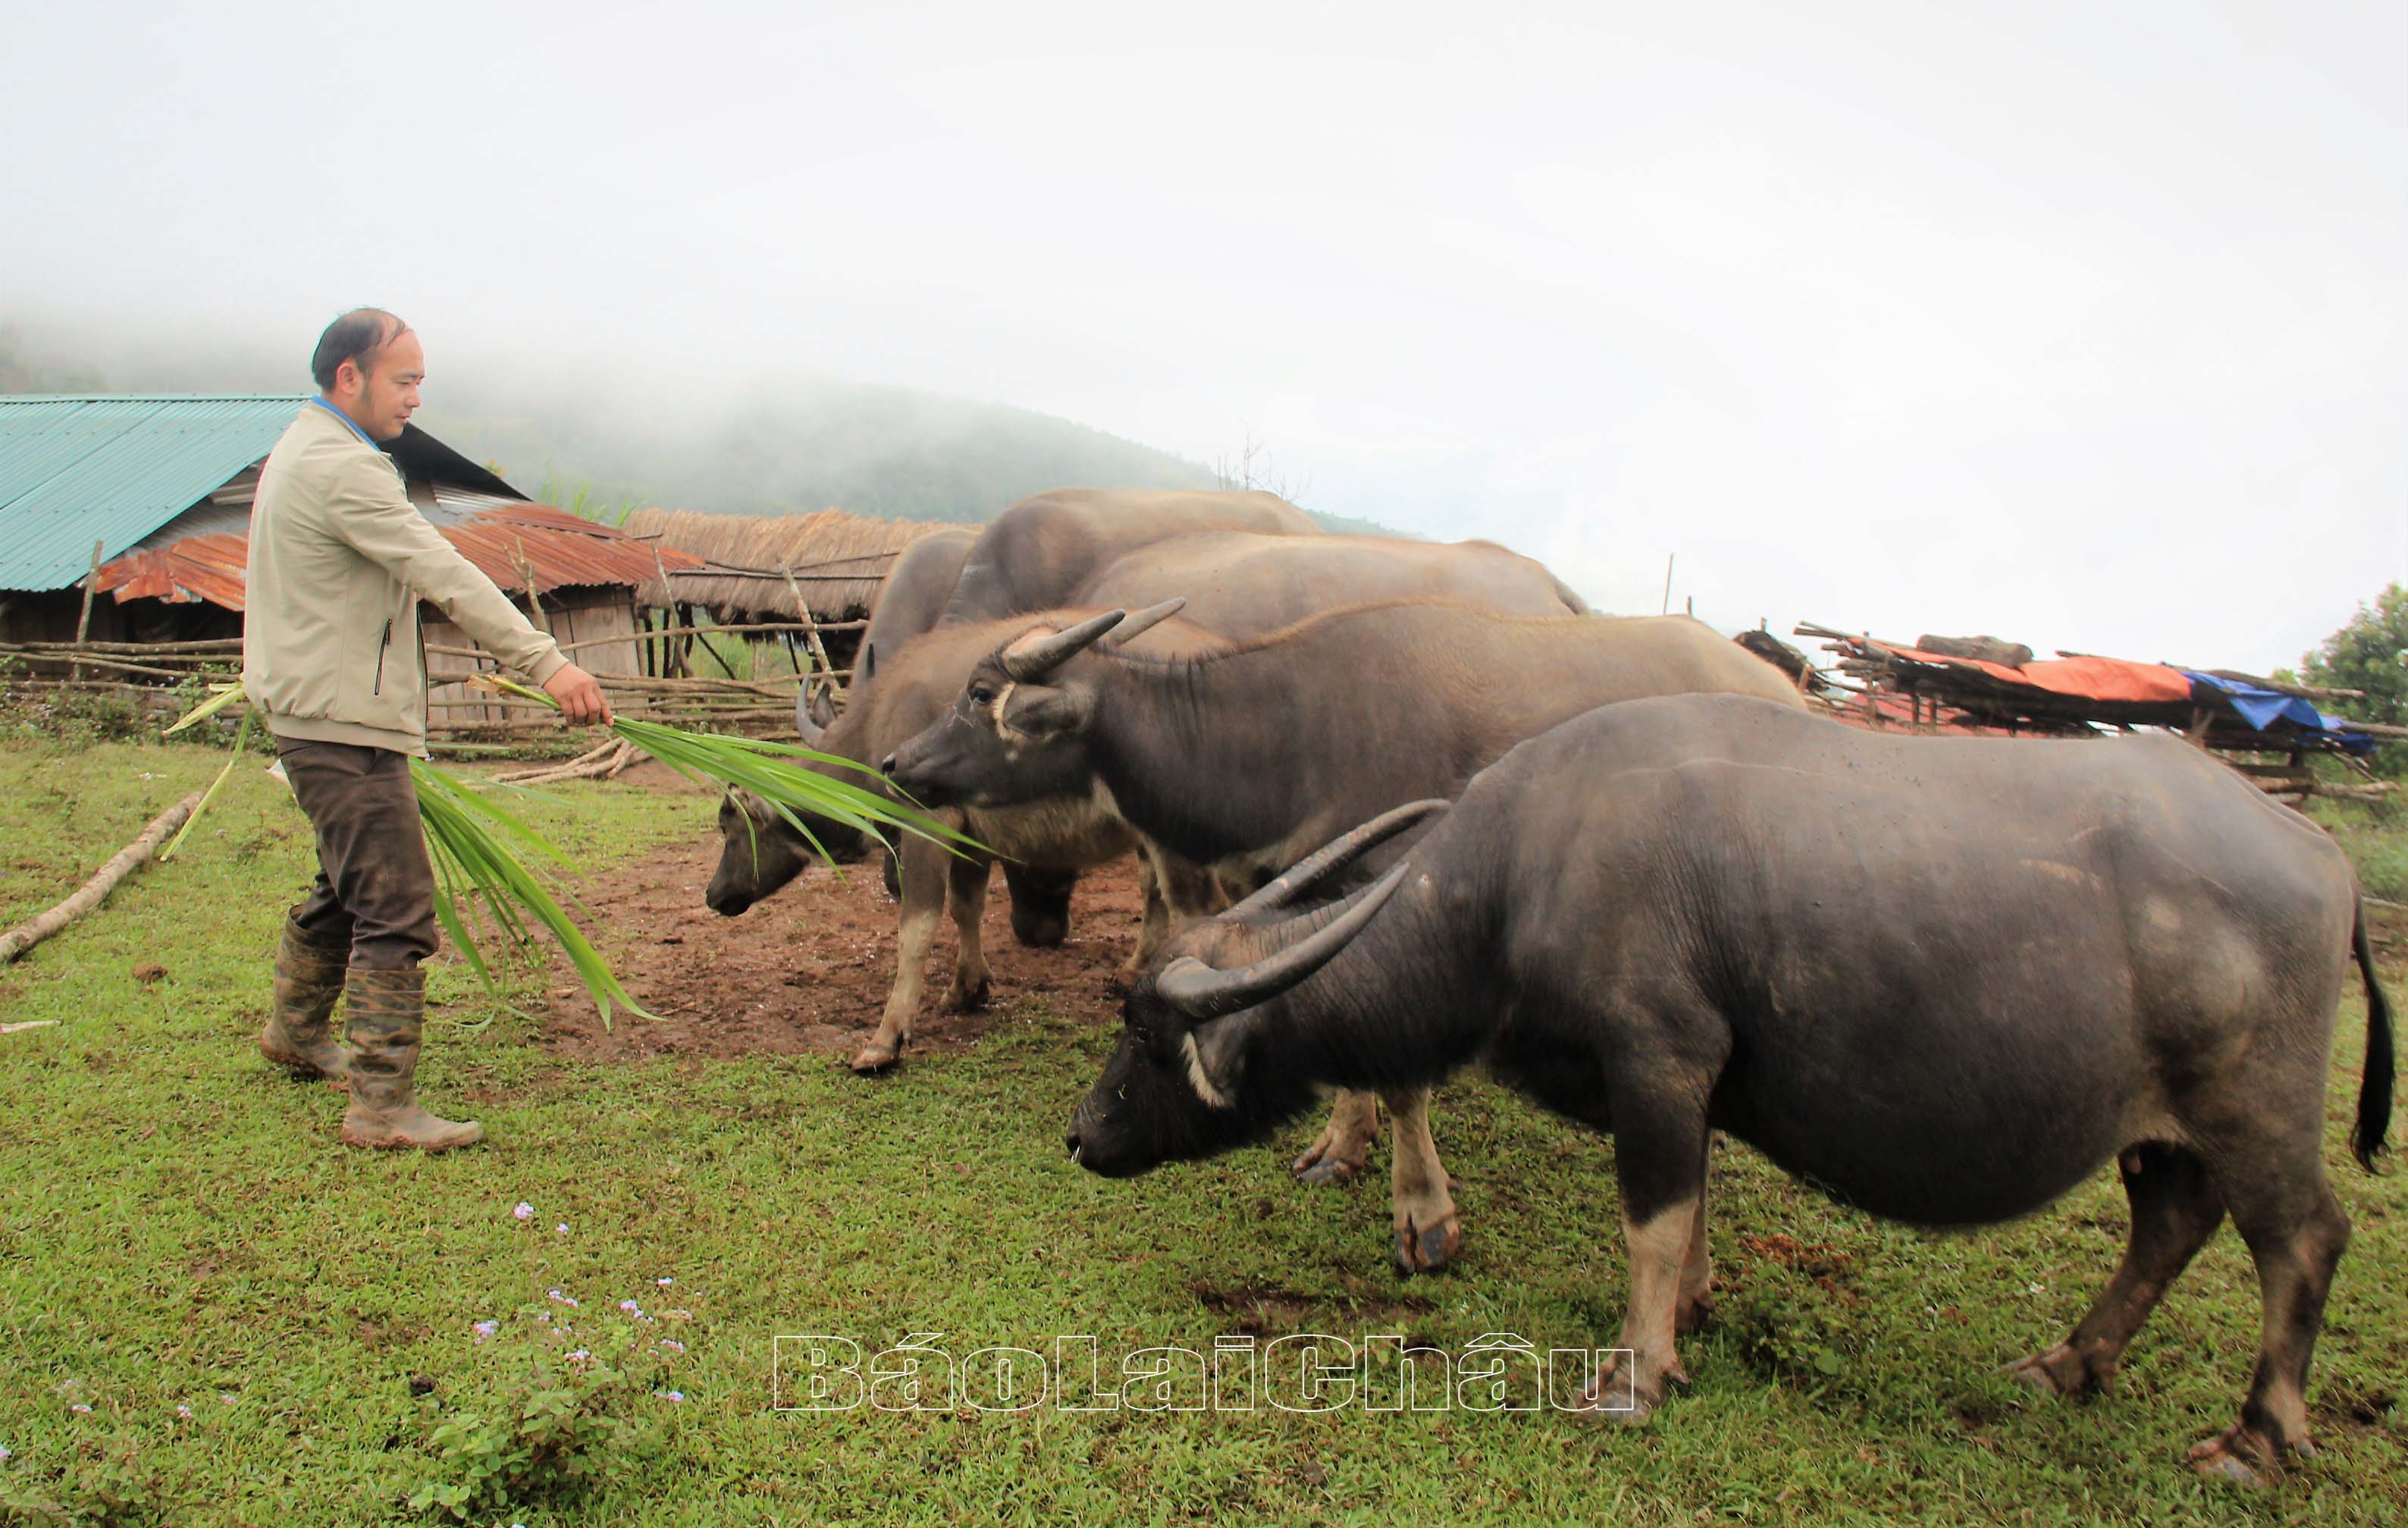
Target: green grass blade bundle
<point x="772" y="771"/>
<point x="473" y="843"/>
<point x="481" y="852"/>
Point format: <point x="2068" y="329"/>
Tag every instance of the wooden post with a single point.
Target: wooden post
<point x="811" y="631"/>
<point x="83" y="622"/>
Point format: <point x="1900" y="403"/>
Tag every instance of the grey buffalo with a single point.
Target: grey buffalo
<point x="1244" y="585"/>
<point x="1943" y="979"/>
<point x="1032" y="556"/>
<point x="1242" y="761"/>
<point x="1040" y="552"/>
<point x="911" y="598"/>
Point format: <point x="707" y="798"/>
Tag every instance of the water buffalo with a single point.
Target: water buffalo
<point x="1244" y="585"/>
<point x="1326" y="723"/>
<point x="911" y="598"/>
<point x="1040" y="552"/>
<point x="1943" y="979"/>
<point x="1049" y="838"/>
<point x="1032" y="556"/>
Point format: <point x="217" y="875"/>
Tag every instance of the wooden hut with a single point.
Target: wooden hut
<point x="819" y="569"/>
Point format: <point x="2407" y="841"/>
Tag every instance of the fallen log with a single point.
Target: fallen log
<point x="31" y="933"/>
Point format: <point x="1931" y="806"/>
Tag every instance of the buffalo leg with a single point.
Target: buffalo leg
<point x="1344" y="1148"/>
<point x="1660" y="1162"/>
<point x="1174" y="890"/>
<point x="1697" y="1300"/>
<point x="2176" y="1209"/>
<point x="1155" y="927"/>
<point x="1040" y="903"/>
<point x="2295" y="1233"/>
<point x="1427" y="1232"/>
<point x="966" y="888"/>
<point x="924" y="876"/>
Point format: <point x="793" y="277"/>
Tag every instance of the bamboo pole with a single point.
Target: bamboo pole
<point x="31" y="933"/>
<point x="219" y="644"/>
<point x="83" y="622"/>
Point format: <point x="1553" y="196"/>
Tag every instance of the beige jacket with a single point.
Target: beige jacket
<point x="340" y="559"/>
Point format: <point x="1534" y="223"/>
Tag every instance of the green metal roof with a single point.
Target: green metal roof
<point x="74" y="470"/>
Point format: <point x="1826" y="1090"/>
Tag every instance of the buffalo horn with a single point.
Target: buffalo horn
<point x="1141" y="621"/>
<point x="1201" y="992"/>
<point x="1335" y="856"/>
<point x="807" y="725"/>
<point x="1032" y="663"/>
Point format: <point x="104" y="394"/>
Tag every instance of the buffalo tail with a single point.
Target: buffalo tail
<point x="2374" y="1089"/>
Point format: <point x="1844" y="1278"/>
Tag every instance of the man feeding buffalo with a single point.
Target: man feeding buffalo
<point x="340" y="559"/>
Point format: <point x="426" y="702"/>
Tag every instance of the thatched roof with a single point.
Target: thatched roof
<point x="838" y="560"/>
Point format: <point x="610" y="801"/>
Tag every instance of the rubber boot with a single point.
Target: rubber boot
<point x="309" y="979"/>
<point x="386" y="1013"/>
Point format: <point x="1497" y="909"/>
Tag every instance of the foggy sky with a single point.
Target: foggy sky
<point x="2080" y="324"/>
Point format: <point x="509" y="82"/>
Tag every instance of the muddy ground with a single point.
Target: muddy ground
<point x="807" y="969"/>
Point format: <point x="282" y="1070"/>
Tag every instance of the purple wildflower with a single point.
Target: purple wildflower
<point x="525" y="1210"/>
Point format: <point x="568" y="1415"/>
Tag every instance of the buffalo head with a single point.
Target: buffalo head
<point x="760" y="851"/>
<point x="1192" y="1075"/>
<point x="1017" y="731"/>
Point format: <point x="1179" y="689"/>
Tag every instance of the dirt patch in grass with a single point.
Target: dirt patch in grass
<point x="807" y="970"/>
<point x="1259" y="1310"/>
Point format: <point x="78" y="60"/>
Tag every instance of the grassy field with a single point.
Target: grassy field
<point x="267" y="1328"/>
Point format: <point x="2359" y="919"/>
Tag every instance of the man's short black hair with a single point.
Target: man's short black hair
<point x="355" y="336"/>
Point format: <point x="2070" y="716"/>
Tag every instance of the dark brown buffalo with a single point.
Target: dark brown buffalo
<point x="1943" y="979"/>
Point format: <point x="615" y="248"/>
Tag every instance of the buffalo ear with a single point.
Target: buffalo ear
<point x="867" y="666"/>
<point x="1218" y="1073"/>
<point x="1050" y="711"/>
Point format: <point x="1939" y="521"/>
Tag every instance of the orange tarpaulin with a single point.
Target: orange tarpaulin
<point x="2086" y="678"/>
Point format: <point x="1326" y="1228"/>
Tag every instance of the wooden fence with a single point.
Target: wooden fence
<point x="156" y="679"/>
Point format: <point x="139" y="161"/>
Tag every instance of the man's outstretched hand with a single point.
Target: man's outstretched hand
<point x="579" y="695"/>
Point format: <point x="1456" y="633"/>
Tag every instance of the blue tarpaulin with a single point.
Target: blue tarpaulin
<point x="2263" y="709"/>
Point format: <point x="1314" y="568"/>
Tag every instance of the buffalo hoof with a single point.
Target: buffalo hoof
<point x="1632" y="1405"/>
<point x="964" y="997"/>
<point x="2243" y="1457"/>
<point x="1338" y="1156"/>
<point x="2063" y="1371"/>
<point x="1427" y="1249"/>
<point x="1313" y="1168"/>
<point x="875" y="1058"/>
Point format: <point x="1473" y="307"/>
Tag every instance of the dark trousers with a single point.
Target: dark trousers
<point x="375" y="887"/>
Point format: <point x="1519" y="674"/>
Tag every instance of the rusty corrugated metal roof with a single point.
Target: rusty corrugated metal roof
<point x="508" y="544"/>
